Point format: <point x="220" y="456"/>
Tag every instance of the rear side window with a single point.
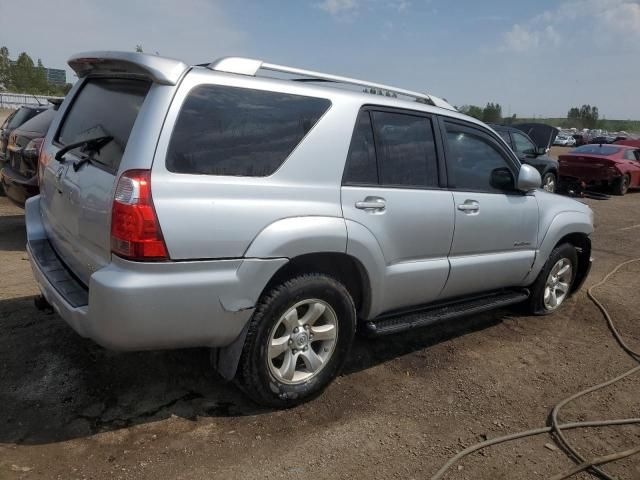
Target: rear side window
<point x="407" y="152"/>
<point x="105" y="107"/>
<point x="361" y="164"/>
<point x="239" y="132"/>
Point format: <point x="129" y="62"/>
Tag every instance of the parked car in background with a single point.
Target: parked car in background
<point x="581" y="139"/>
<point x="629" y="142"/>
<point x="13" y="121"/>
<point x="564" y="140"/>
<point x="611" y="166"/>
<point x="270" y="219"/>
<point x="19" y="175"/>
<point x="528" y="152"/>
<point x="602" y="140"/>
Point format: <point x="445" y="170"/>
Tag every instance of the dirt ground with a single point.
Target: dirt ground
<point x="72" y="410"/>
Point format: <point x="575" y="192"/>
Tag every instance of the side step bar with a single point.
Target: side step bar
<point x="400" y="322"/>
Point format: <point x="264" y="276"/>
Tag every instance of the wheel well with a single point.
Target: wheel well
<point x="344" y="268"/>
<point x="582" y="244"/>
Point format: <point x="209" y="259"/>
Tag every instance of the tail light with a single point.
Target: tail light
<point x="33" y="148"/>
<point x="43" y="160"/>
<point x="135" y="230"/>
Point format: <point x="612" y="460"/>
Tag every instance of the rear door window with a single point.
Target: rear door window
<point x="406" y="150"/>
<point x="104" y="107"/>
<point x="239" y="132"/>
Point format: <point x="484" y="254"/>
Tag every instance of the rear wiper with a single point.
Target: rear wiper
<point x="90" y="144"/>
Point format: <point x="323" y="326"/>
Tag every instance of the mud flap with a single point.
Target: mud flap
<point x="225" y="359"/>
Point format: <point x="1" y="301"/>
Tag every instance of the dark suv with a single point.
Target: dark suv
<point x="13" y="121"/>
<point x="528" y="152"/>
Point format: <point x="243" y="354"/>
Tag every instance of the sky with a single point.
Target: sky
<point x="535" y="57"/>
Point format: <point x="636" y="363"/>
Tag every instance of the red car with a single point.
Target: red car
<point x="612" y="166"/>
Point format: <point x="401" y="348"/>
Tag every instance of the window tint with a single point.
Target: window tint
<point x="361" y="164"/>
<point x="505" y="136"/>
<point x="105" y="107"/>
<point x="596" y="149"/>
<point x="406" y="152"/>
<point x="240" y="132"/>
<point x="473" y="159"/>
<point x="522" y="143"/>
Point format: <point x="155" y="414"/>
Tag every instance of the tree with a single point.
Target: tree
<point x="139" y="48"/>
<point x="472" y="110"/>
<point x="23" y="73"/>
<point x="5" y="67"/>
<point x="492" y="113"/>
<point x="585" y="117"/>
<point x="40" y="84"/>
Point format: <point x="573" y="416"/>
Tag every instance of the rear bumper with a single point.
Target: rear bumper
<point x="142" y="306"/>
<point x="17" y="187"/>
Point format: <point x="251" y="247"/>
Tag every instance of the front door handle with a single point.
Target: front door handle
<point x="469" y="206"/>
<point x="372" y="203"/>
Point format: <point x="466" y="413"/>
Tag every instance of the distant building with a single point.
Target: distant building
<point x="56" y="76"/>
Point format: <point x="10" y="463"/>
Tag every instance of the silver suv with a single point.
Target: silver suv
<point x="270" y="217"/>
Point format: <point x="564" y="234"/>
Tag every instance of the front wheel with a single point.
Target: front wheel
<point x="553" y="285"/>
<point x="298" y="340"/>
<point x="549" y="182"/>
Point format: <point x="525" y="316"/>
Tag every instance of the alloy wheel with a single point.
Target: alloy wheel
<point x="302" y="341"/>
<point x="558" y="283"/>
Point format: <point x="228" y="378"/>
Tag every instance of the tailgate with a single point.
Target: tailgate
<point x="76" y="203"/>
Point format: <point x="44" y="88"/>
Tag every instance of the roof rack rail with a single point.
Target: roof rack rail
<point x="249" y="66"/>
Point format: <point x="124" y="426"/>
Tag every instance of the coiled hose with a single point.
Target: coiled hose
<point x="557" y="428"/>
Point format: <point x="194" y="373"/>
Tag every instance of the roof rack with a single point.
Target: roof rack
<point x="249" y="66"/>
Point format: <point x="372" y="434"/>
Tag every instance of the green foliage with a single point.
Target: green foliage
<point x="139" y="48"/>
<point x="492" y="113"/>
<point x="23" y="76"/>
<point x="583" y="117"/>
<point x="472" y="110"/>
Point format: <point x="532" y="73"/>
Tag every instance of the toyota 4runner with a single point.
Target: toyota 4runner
<point x="269" y="212"/>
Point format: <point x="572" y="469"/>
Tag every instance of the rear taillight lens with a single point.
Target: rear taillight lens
<point x="135" y="230"/>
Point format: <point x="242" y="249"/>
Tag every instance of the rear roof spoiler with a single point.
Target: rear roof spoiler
<point x="166" y="71"/>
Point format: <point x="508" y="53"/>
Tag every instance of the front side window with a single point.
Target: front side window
<point x="522" y="143"/>
<point x="475" y="163"/>
<point x="239" y="132"/>
<point x="406" y="150"/>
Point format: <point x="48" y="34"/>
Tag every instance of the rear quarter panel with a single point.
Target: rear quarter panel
<point x="208" y="216"/>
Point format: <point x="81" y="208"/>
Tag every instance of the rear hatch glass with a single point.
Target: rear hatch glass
<point x="105" y="107"/>
<point x="76" y="203"/>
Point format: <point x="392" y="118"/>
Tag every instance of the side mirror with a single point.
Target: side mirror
<point x="529" y="178"/>
<point x="502" y="179"/>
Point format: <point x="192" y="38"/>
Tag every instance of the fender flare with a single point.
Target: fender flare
<point x="563" y="224"/>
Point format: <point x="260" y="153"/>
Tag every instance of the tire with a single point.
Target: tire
<point x="264" y="376"/>
<point x="622" y="185"/>
<point x="550" y="182"/>
<point x="536" y="304"/>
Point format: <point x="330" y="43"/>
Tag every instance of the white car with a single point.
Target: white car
<point x="565" y="141"/>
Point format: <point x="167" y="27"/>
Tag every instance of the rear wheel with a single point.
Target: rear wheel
<point x="549" y="182"/>
<point x="553" y="285"/>
<point x="622" y="185"/>
<point x="298" y="340"/>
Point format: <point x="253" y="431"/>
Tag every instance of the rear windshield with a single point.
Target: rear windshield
<point x="22" y="116"/>
<point x="239" y="132"/>
<point x="597" y="149"/>
<point x="105" y="107"/>
<point x="40" y="123"/>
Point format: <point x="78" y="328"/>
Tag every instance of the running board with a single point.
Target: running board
<point x="391" y="324"/>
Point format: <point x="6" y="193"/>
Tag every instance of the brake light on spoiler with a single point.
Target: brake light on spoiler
<point x="135" y="230"/>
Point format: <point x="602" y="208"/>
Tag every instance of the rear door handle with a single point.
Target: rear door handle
<point x="469" y="206"/>
<point x="372" y="203"/>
